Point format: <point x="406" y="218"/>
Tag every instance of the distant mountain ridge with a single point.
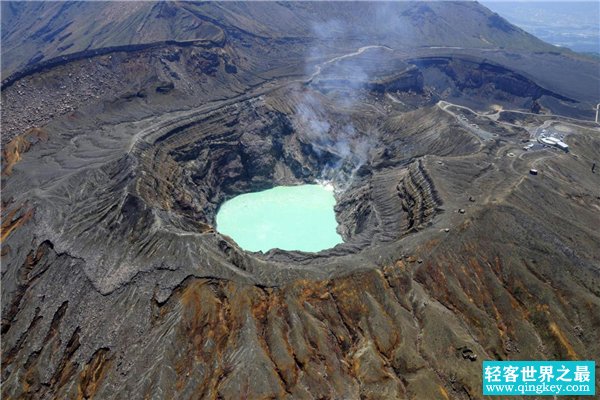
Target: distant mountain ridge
<point x="571" y="24"/>
<point x="37" y="31"/>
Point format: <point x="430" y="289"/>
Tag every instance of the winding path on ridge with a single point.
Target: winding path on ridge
<point x="264" y="88"/>
<point x="494" y="116"/>
<point x="361" y="50"/>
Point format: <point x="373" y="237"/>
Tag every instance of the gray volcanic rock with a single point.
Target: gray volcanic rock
<point x="41" y="31"/>
<point x="118" y="153"/>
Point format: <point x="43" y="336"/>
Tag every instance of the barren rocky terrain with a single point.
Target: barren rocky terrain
<point x="121" y="138"/>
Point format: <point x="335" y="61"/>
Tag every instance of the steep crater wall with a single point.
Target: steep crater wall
<point x="454" y="76"/>
<point x="191" y="171"/>
<point x="162" y="196"/>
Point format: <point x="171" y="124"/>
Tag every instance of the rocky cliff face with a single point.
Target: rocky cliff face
<point x="115" y="282"/>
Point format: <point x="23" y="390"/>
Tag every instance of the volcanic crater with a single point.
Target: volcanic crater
<point x="175" y="175"/>
<point x="120" y="145"/>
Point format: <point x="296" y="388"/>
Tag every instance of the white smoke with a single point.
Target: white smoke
<point x="335" y="134"/>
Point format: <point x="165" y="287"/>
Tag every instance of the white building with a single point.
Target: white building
<point x="562" y="145"/>
<point x="552" y="141"/>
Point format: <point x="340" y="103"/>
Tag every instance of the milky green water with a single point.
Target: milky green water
<point x="285" y="217"/>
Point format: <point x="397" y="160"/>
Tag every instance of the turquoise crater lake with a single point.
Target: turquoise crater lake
<point x="285" y="217"/>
